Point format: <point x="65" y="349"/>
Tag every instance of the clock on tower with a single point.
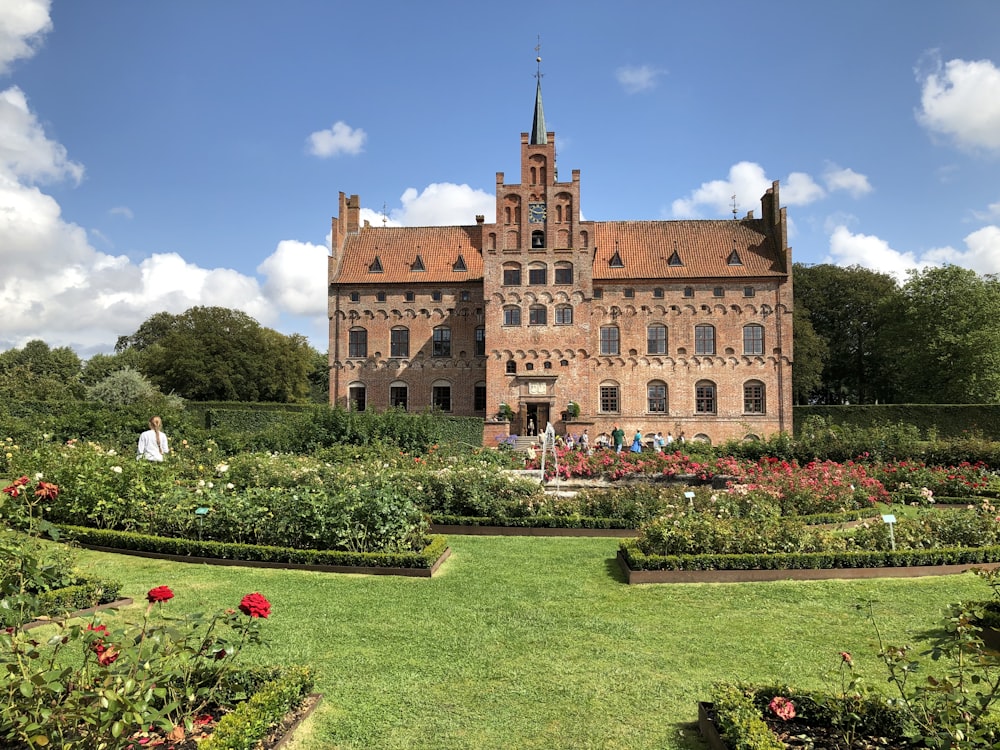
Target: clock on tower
<point x="536" y="213"/>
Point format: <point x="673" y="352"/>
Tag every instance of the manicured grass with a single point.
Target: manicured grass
<point x="523" y="642"/>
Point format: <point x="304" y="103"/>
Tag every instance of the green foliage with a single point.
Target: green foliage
<point x="102" y="685"/>
<point x="215" y="353"/>
<point x="739" y="719"/>
<point x="126" y="387"/>
<point x="250" y="722"/>
<point x="37" y="372"/>
<point x="960" y="425"/>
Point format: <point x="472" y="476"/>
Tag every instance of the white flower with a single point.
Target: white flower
<point x="38" y="476"/>
<point x="112" y="452"/>
<point x="222" y="468"/>
<point x="116" y="469"/>
<point x="201" y="482"/>
<point x="230" y="486"/>
<point x="210" y="485"/>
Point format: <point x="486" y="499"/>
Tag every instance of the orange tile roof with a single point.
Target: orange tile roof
<point x="704" y="247"/>
<point x="645" y="247"/>
<point x="397" y="249"/>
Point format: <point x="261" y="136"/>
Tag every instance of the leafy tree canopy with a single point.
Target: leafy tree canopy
<point x="40" y="373"/>
<point x="219" y="354"/>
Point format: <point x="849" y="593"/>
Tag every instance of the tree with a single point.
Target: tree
<point x="811" y="352"/>
<point x="39" y="373"/>
<point x="947" y="331"/>
<point x="126" y="386"/>
<point x="850" y="309"/>
<point x="218" y="354"/>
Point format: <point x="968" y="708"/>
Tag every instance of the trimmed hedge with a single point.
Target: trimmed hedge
<point x="533" y="522"/>
<point x="637" y="560"/>
<point x="948" y="420"/>
<point x="86" y="593"/>
<point x="125" y="540"/>
<point x="251" y="720"/>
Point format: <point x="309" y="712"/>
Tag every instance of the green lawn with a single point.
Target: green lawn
<point x="522" y="642"/>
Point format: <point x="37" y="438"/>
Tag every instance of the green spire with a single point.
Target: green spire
<point x="538" y="137"/>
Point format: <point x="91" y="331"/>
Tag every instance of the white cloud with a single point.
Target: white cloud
<point x="992" y="212"/>
<point x="635" y="79"/>
<point x="22" y="24"/>
<point x="341" y="138"/>
<point x="296" y="275"/>
<point x="25" y="152"/>
<point x="443" y="204"/>
<point x="849" y="249"/>
<point x="799" y="189"/>
<point x="961" y="100"/>
<point x="122" y="211"/>
<point x="854" y="183"/>
<point x="746" y="181"/>
<point x="982" y="253"/>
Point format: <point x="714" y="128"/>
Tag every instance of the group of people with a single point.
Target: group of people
<point x="659" y="441"/>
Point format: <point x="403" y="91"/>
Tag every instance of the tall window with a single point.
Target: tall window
<point x="537" y="275"/>
<point x="357" y="342"/>
<point x="753" y="397"/>
<point x="753" y="339"/>
<point x="704" y="339"/>
<point x="609" y="340"/>
<point x="564" y="273"/>
<point x="356" y="400"/>
<point x="564" y="315"/>
<point x="704" y="397"/>
<point x="538" y="315"/>
<point x="441" y="396"/>
<point x="656" y="397"/>
<point x="480" y="350"/>
<point x="656" y="339"/>
<point x="512" y="316"/>
<point x="512" y="275"/>
<point x="610" y="401"/>
<point x="441" y="342"/>
<point x="398" y="396"/>
<point x="511" y="367"/>
<point x="479" y="397"/>
<point x="399" y="342"/>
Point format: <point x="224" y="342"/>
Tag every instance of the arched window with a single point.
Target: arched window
<point x="441" y="395"/>
<point x="538" y="238"/>
<point x="538" y="315"/>
<point x="512" y="315"/>
<point x="538" y="274"/>
<point x="356" y="397"/>
<point x="704" y="339"/>
<point x="399" y="342"/>
<point x="357" y="342"/>
<point x="564" y="272"/>
<point x="610" y="397"/>
<point x="656" y="339"/>
<point x="441" y="342"/>
<point x="753" y="397"/>
<point x="564" y="315"/>
<point x="479" y="397"/>
<point x="704" y="397"/>
<point x="753" y="339"/>
<point x="512" y="274"/>
<point x="399" y="395"/>
<point x="656" y="397"/>
<point x="511" y="367"/>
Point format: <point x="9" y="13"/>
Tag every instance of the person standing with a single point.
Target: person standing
<point x="637" y="442"/>
<point x="585" y="442"/>
<point x="658" y="442"/>
<point x="618" y="438"/>
<point x="153" y="442"/>
<point x="670" y="437"/>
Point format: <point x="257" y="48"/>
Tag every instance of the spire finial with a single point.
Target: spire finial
<point x="538" y="135"/>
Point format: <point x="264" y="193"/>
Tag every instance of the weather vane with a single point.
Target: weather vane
<point x="538" y="57"/>
<point x="735" y="210"/>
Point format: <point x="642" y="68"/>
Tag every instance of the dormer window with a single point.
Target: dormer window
<point x="375" y="266"/>
<point x="418" y="264"/>
<point x="459" y="265"/>
<point x="734" y="258"/>
<point x="675" y="259"/>
<point x="616" y="261"/>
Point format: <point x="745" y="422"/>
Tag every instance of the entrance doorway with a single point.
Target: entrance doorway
<point x="536" y="417"/>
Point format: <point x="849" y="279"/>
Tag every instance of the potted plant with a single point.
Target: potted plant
<point x="505" y="413"/>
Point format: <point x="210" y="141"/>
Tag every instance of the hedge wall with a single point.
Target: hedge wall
<point x="948" y="420"/>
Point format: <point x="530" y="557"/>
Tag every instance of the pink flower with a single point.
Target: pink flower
<point x="783" y="708"/>
<point x="845" y="657"/>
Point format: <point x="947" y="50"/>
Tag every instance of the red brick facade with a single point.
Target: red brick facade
<point x="679" y="326"/>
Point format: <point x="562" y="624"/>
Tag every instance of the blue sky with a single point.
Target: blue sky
<point x="156" y="156"/>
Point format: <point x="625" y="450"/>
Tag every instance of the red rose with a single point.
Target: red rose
<point x="783" y="708"/>
<point x="47" y="490"/>
<point x="21" y="482"/>
<point x="107" y="657"/>
<point x="14" y="490"/>
<point x="159" y="594"/>
<point x="255" y="605"/>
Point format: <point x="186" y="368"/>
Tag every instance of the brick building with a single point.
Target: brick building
<point x="652" y="325"/>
